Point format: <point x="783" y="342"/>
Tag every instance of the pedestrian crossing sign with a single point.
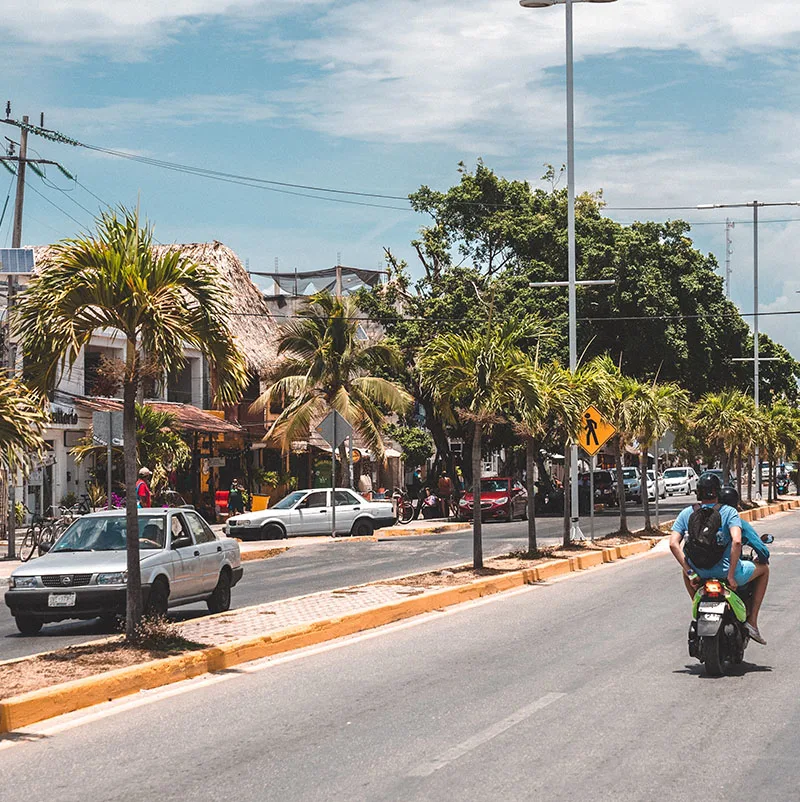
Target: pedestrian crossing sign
<point x="596" y="431"/>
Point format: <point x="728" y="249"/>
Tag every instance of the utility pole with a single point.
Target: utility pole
<point x="16" y="237"/>
<point x="339" y="274"/>
<point x="729" y="226"/>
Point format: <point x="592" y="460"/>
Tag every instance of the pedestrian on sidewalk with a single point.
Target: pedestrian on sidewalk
<point x="144" y="498"/>
<point x="236" y="498"/>
<point x="445" y="493"/>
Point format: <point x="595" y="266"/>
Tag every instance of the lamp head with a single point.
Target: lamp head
<point x="537" y="3"/>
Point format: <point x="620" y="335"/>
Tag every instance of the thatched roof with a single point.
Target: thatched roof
<point x="251" y="321"/>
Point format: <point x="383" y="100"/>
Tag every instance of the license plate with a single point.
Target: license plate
<point x="61" y="600"/>
<point x="712" y="607"/>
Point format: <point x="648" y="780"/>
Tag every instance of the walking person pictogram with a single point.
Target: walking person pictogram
<point x="591" y="430"/>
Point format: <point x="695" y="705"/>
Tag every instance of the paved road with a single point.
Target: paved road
<point x="313" y="568"/>
<point x="577" y="689"/>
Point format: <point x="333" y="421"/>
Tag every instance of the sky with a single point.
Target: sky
<point x="677" y="103"/>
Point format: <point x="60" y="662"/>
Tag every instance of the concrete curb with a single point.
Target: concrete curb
<point x="20" y="711"/>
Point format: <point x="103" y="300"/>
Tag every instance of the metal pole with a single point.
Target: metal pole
<point x="350" y="459"/>
<point x="333" y="480"/>
<point x="575" y="530"/>
<point x="109" y="462"/>
<point x="756" y="382"/>
<point x="16" y="237"/>
<point x="592" y="467"/>
<point x="655" y="476"/>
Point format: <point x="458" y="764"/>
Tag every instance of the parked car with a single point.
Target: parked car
<point x="605" y="489"/>
<point x="501" y="499"/>
<point x="83" y="575"/>
<point x="652" y="486"/>
<point x="719" y="474"/>
<point x="308" y="512"/>
<point x="682" y="480"/>
<point x="633" y="484"/>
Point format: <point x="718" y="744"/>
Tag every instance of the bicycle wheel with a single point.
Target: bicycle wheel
<point x="29" y="543"/>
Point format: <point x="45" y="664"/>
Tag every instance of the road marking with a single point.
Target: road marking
<point x="456" y="752"/>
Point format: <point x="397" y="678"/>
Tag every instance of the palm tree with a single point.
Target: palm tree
<point x="159" y="302"/>
<point x="159" y="446"/>
<point x="559" y="403"/>
<point x="719" y="419"/>
<point x="326" y="365"/>
<point x="653" y="408"/>
<point x="478" y="377"/>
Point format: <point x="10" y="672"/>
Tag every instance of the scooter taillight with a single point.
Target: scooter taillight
<point x="713" y="588"/>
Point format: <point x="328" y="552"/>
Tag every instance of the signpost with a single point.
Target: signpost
<point x="107" y="430"/>
<point x="334" y="430"/>
<point x="596" y="431"/>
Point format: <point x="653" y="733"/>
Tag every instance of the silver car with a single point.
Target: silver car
<point x="84" y="573"/>
<point x="308" y="512"/>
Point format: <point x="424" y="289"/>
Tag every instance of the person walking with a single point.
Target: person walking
<point x="235" y="498"/>
<point x="445" y="487"/>
<point x="144" y="498"/>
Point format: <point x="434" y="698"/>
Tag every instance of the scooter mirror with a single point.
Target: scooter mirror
<point x="767" y="538"/>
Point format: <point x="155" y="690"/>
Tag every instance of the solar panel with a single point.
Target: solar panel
<point x="16" y="260"/>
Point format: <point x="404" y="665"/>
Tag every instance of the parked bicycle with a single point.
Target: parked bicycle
<point x="40" y="531"/>
<point x="403" y="506"/>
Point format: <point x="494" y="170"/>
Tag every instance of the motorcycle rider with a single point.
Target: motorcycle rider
<point x="730" y="568"/>
<point x="782" y="479"/>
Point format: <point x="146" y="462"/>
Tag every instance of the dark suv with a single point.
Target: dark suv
<point x="604" y="488"/>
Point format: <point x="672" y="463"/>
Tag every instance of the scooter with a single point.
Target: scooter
<point x="717" y="634"/>
<point x="782" y="485"/>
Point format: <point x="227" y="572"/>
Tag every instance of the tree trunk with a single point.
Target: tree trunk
<point x="726" y="474"/>
<point x="643" y="488"/>
<point x="750" y="478"/>
<point x="344" y="470"/>
<point x="530" y="462"/>
<point x="566" y="539"/>
<point x="623" y="512"/>
<point x="133" y="612"/>
<point x="739" y="471"/>
<point x="477" y="543"/>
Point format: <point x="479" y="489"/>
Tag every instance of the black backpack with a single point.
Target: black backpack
<point x="701" y="545"/>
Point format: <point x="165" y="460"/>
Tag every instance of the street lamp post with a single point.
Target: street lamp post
<point x="754" y="205"/>
<point x="575" y="531"/>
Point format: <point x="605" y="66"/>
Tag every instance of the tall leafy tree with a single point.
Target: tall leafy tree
<point x="159" y="302"/>
<point x="326" y="365"/>
<point x="478" y="378"/>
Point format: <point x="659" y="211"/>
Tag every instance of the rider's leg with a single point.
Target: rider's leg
<point x="690" y="590"/>
<point x="760" y="581"/>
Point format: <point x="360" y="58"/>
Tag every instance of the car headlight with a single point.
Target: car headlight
<point x="117" y="578"/>
<point x="500" y="501"/>
<point x="463" y="503"/>
<point x="232" y="521"/>
<point x="24" y="582"/>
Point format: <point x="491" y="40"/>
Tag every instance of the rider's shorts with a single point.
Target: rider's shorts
<point x="744" y="571"/>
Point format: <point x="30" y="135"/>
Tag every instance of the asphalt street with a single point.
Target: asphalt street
<point x="313" y="568"/>
<point x="575" y="689"/>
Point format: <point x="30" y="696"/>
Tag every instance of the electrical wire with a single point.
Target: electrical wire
<point x="46" y="199"/>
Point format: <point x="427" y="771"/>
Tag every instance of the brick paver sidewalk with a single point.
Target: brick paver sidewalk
<point x="264" y="619"/>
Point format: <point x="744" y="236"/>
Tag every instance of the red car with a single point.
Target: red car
<point x="502" y="499"/>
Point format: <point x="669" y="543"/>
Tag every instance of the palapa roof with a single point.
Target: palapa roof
<point x="250" y="320"/>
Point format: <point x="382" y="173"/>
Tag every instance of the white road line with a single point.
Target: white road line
<point x="456" y="752"/>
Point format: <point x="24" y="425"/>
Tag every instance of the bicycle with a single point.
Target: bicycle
<point x="37" y="532"/>
<point x="403" y="506"/>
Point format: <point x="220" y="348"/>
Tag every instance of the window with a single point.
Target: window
<point x="179" y="384"/>
<point x="179" y="528"/>
<point x="344" y="498"/>
<point x="319" y="499"/>
<point x="200" y="529"/>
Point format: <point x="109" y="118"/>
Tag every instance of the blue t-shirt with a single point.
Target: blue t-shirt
<point x="730" y="517"/>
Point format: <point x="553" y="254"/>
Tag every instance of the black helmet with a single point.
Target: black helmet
<point x="708" y="487"/>
<point x="729" y="495"/>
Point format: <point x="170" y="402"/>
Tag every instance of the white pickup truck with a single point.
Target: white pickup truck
<point x="84" y="573"/>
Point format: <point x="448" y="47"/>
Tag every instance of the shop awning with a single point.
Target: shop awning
<point x="187" y="417"/>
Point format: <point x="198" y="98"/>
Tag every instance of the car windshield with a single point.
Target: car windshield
<point x="494" y="485"/>
<point x="629" y="473"/>
<point x="651" y="475"/>
<point x="675" y="473"/>
<point x="602" y="476"/>
<point x="287" y="502"/>
<point x="107" y="533"/>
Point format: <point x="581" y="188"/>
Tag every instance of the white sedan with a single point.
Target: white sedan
<point x="309" y="512"/>
<point x="651" y="486"/>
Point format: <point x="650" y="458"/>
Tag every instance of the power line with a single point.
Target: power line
<point x="45" y="198"/>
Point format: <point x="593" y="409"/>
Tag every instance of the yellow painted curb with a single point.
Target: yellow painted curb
<point x="20" y="711"/>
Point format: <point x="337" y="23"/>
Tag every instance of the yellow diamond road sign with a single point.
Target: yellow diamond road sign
<point x="595" y="431"/>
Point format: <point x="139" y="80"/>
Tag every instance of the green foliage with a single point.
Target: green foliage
<point x="416" y="442"/>
<point x="22" y="421"/>
<point x="69" y="499"/>
<point x="269" y="479"/>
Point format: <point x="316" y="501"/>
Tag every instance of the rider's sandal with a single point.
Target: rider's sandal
<point x="755" y="634"/>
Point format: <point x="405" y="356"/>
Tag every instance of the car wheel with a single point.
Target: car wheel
<point x="363" y="528"/>
<point x="220" y="600"/>
<point x="272" y="532"/>
<point x="158" y="601"/>
<point x="28" y="625"/>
